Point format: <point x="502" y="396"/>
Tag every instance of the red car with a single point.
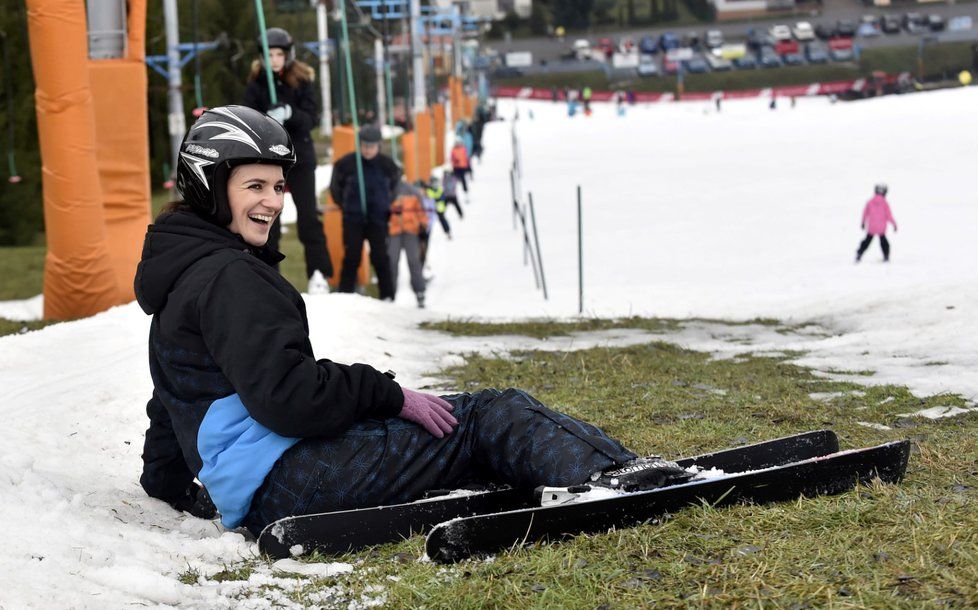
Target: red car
<point x="606" y="46"/>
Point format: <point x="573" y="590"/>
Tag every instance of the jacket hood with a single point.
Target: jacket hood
<point x="173" y="244"/>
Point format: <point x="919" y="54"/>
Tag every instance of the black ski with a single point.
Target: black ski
<point x="339" y="532"/>
<point x="827" y="474"/>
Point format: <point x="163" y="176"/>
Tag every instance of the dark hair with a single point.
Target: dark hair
<point x="294" y="74"/>
<point x="175" y="206"/>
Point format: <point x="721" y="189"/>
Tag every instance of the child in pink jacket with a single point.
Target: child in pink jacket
<point x="876" y="215"/>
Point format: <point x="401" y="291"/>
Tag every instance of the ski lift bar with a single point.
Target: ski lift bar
<point x="158" y="62"/>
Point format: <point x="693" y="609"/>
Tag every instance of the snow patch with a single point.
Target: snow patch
<point x="938" y="412"/>
<point x="318" y="570"/>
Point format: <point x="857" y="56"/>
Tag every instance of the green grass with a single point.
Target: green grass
<point x="912" y="545"/>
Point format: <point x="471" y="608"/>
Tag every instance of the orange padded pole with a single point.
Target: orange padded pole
<point x="344" y="142"/>
<point x="438" y="111"/>
<point x="79" y="279"/>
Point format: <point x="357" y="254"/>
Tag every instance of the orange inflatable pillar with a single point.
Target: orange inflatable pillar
<point x="468" y="107"/>
<point x="455" y="99"/>
<point x="409" y="156"/>
<point x="344" y="142"/>
<point x="79" y="279"/>
<point x="438" y="113"/>
<point x="122" y="149"/>
<point x="422" y="143"/>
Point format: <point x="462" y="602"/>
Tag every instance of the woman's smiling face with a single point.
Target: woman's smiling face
<point x="256" y="193"/>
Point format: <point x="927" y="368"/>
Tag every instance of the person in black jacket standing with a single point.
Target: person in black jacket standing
<point x="298" y="109"/>
<point x="365" y="219"/>
<point x="241" y="403"/>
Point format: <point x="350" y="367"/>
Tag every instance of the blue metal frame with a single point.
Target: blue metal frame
<point x="159" y="62"/>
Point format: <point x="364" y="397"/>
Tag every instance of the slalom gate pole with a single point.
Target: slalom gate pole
<point x="536" y="241"/>
<point x="512" y="190"/>
<point x="8" y="87"/>
<point x="580" y="255"/>
<point x="263" y="34"/>
<point x="353" y="107"/>
<point x="528" y="251"/>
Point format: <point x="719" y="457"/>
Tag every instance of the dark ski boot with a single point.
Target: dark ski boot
<point x="641" y="474"/>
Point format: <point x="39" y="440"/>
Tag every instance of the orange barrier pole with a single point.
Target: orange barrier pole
<point x="438" y="110"/>
<point x="409" y="157"/>
<point x="79" y="279"/>
<point x="344" y="142"/>
<point x="422" y="130"/>
<point x="122" y="149"/>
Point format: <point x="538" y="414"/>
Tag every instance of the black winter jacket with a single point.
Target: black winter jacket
<point x="225" y="322"/>
<point x="380" y="178"/>
<point x="306" y="110"/>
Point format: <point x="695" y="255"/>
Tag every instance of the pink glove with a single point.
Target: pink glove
<point x="430" y="412"/>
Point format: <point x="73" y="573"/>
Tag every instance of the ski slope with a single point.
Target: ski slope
<point x="688" y="213"/>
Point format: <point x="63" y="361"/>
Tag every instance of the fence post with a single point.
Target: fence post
<point x="580" y="255"/>
<point x="536" y="240"/>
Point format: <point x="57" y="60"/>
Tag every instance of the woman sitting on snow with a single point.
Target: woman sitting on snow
<point x="241" y="404"/>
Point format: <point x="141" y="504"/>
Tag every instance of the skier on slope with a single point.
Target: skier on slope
<point x="876" y="215"/>
<point x="241" y="403"/>
<point x="298" y="109"/>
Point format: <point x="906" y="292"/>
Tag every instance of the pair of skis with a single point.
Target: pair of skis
<point x="487" y="522"/>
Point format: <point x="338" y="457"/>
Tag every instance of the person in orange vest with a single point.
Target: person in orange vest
<point x="407" y="223"/>
<point x="460" y="163"/>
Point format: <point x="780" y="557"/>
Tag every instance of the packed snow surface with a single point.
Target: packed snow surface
<point x="687" y="213"/>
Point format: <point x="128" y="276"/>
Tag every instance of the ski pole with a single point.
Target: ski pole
<point x="263" y="34"/>
<point x="345" y="43"/>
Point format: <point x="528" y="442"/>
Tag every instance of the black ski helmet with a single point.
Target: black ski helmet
<point x="279" y="39"/>
<point x="219" y="140"/>
<point x="880" y="189"/>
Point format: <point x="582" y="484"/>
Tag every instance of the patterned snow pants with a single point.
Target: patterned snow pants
<point x="502" y="437"/>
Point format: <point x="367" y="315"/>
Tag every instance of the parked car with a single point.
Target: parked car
<point x="648" y="66"/>
<point x="816" y="53"/>
<point x="605" y="46"/>
<point x="780" y="32"/>
<point x="745" y="62"/>
<point x="713" y="39"/>
<point x="757" y="39"/>
<point x="696" y="65"/>
<point x="803" y="31"/>
<point x="507" y="72"/>
<point x="871" y="19"/>
<point x="846" y="28"/>
<point x="767" y="58"/>
<point x="718" y="63"/>
<point x="867" y="30"/>
<point x="690" y="40"/>
<point x="825" y="31"/>
<point x="890" y="24"/>
<point x="915" y="23"/>
<point x="785" y="47"/>
<point x="793" y="59"/>
<point x="669" y="66"/>
<point x="840" y="49"/>
<point x="958" y="24"/>
<point x="582" y="49"/>
<point x="668" y="41"/>
<point x="935" y="22"/>
<point x="647" y="44"/>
